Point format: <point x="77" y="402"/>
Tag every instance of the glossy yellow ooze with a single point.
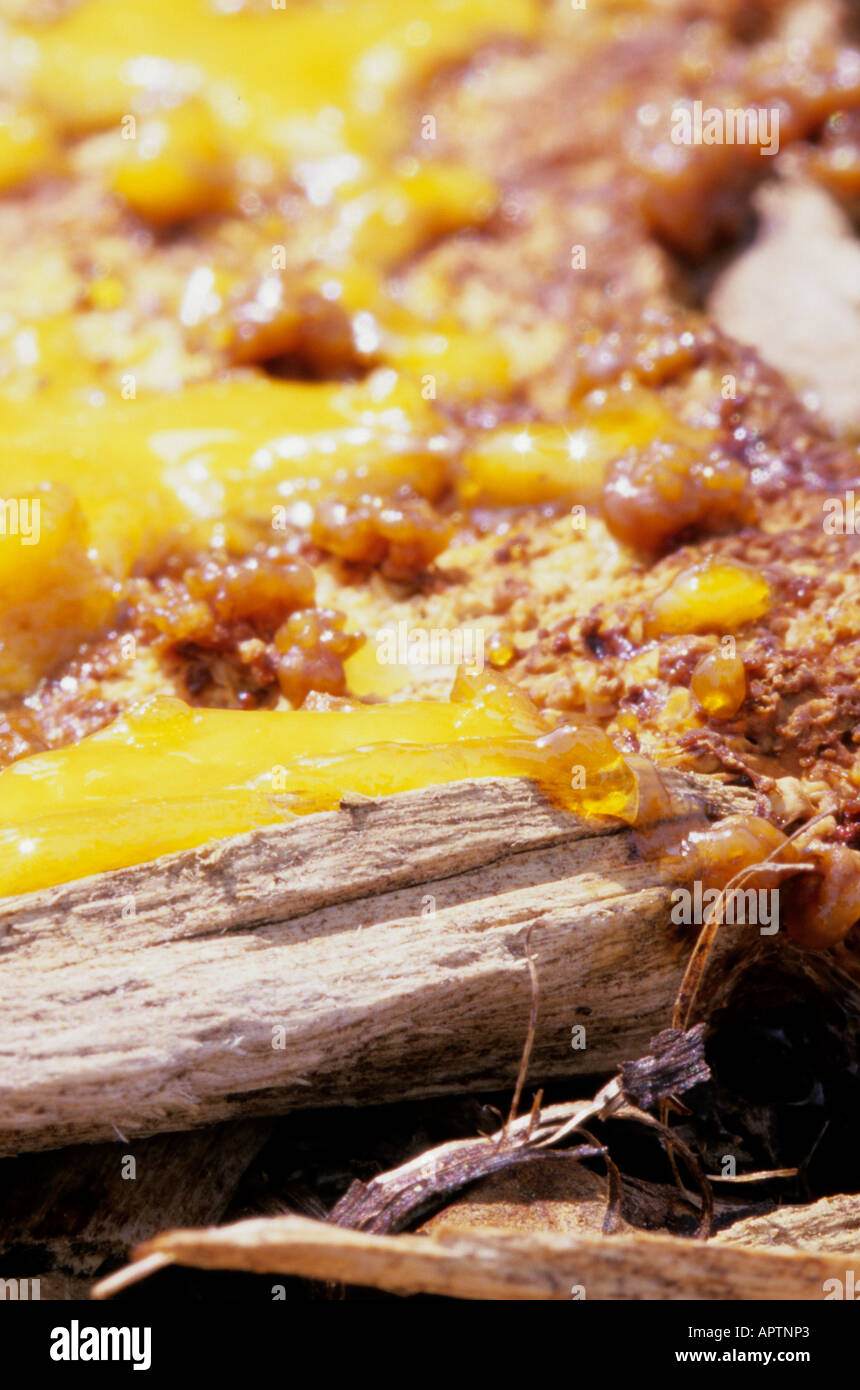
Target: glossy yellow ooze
<point x="392" y="215"/>
<point x="53" y="593"/>
<point x="172" y="168"/>
<point x="714" y="596"/>
<point x="51" y="350"/>
<point x="381" y="220"/>
<point x="168" y="777"/>
<point x="524" y="464"/>
<point x="137" y="473"/>
<point x="449" y="363"/>
<point x="27" y="145"/>
<point x="230" y="448"/>
<point x="719" y="683"/>
<point x="195" y="102"/>
<point x="296" y="81"/>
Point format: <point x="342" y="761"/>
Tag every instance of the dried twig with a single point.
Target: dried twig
<point x="495" y="1265"/>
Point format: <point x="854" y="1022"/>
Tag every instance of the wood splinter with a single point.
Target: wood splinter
<point x="328" y="962"/>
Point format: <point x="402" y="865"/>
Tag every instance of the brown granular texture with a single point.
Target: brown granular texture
<point x="242" y="631"/>
<point x="105" y="677"/>
<point x="802" y="711"/>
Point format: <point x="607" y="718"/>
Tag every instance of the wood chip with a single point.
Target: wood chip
<point x="833" y="1224"/>
<point x="496" y="1265"/>
<point x="795" y="296"/>
<point x="367" y="954"/>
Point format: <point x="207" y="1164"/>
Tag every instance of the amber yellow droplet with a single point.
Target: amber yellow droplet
<point x="714" y="596"/>
<point x="719" y="683"/>
<point x="173" y="169"/>
<point x="500" y="649"/>
<point x="106" y="293"/>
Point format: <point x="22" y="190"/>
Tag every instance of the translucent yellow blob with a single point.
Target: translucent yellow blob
<point x="167" y="777"/>
<point x="719" y="683"/>
<point x="392" y="215"/>
<point x="173" y="168"/>
<point x="529" y="463"/>
<point x="714" y="596"/>
<point x="243" y="447"/>
<point x="450" y="363"/>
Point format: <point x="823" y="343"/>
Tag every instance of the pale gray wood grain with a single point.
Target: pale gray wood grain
<point x="387" y="939"/>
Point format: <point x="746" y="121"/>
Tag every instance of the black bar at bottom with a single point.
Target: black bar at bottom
<point x="62" y="1339"/>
